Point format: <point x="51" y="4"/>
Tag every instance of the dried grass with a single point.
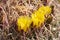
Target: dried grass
<point x="10" y="10"/>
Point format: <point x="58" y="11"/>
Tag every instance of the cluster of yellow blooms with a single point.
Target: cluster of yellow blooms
<point x="37" y="17"/>
<point x="23" y="23"/>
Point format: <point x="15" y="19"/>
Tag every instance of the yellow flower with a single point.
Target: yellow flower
<point x="38" y="16"/>
<point x="23" y="23"/>
<point x="46" y="10"/>
<point x="37" y="19"/>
